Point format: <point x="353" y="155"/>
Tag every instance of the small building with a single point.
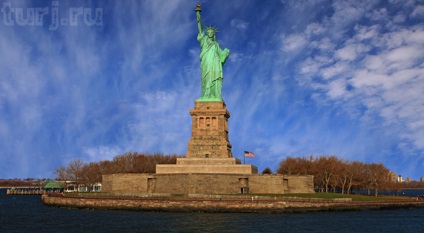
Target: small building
<point x="96" y="187"/>
<point x="400" y="179"/>
<point x="53" y="185"/>
<point x="71" y="187"/>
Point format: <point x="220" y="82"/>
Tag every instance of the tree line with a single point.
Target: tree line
<point x="130" y="162"/>
<point x="25" y="182"/>
<point x="333" y="174"/>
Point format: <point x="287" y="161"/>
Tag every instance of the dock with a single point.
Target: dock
<point x="25" y="191"/>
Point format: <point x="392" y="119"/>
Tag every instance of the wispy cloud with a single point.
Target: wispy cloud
<point x="380" y="70"/>
<point x="303" y="77"/>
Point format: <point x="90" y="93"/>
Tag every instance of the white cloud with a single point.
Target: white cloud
<point x="326" y="45"/>
<point x="309" y="67"/>
<point x="375" y="63"/>
<point x="403" y="57"/>
<point x="366" y="32"/>
<point x="378" y="71"/>
<point x="351" y="51"/>
<point x="337" y="89"/>
<point x="293" y="42"/>
<point x="363" y="78"/>
<point x="418" y="12"/>
<point x="378" y="14"/>
<point x="399" y="18"/>
<point x="314" y="29"/>
<point x="99" y="153"/>
<point x="161" y="123"/>
<point x="239" y="24"/>
<point x="335" y="71"/>
<point x="347" y="12"/>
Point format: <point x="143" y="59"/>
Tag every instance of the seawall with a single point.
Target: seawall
<point x="235" y="205"/>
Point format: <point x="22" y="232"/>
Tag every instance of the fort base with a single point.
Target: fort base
<point x="209" y="167"/>
<point x="206" y="184"/>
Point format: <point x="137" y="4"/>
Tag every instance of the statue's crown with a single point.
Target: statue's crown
<point x="213" y="28"/>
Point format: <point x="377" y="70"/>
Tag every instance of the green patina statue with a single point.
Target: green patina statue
<point x="212" y="58"/>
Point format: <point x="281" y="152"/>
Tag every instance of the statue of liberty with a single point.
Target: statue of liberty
<point x="212" y="58"/>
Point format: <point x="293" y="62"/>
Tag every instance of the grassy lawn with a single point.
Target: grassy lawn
<point x="92" y="194"/>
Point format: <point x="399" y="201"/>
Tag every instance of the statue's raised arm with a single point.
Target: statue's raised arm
<point x="212" y="59"/>
<point x="199" y="19"/>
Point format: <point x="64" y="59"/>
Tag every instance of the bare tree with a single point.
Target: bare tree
<point x="327" y="168"/>
<point x="354" y="170"/>
<point x="75" y="169"/>
<point x="62" y="173"/>
<point x="267" y="171"/>
<point x="91" y="174"/>
<point x="379" y="176"/>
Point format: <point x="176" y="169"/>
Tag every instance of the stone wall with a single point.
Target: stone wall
<point x="209" y="161"/>
<point x="125" y="183"/>
<point x="252" y="204"/>
<point x="206" y="183"/>
<point x="206" y="165"/>
<point x="298" y="184"/>
<point x="207" y="169"/>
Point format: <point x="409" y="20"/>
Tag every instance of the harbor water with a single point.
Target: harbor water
<point x="26" y="213"/>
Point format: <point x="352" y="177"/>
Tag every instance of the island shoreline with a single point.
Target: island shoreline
<point x="222" y="205"/>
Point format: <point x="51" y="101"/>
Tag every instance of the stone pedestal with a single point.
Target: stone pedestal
<point x="209" y="150"/>
<point x="209" y="131"/>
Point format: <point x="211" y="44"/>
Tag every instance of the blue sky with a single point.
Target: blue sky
<point x="303" y="78"/>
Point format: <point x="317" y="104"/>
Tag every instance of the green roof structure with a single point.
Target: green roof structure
<point x="53" y="185"/>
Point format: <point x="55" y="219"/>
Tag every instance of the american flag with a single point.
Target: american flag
<point x="248" y="154"/>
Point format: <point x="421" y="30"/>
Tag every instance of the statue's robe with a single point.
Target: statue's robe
<point x="212" y="59"/>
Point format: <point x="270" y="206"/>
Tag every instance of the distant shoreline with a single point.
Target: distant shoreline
<point x="233" y="205"/>
<point x="411" y="189"/>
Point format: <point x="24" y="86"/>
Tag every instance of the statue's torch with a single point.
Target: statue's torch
<point x="198" y="9"/>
